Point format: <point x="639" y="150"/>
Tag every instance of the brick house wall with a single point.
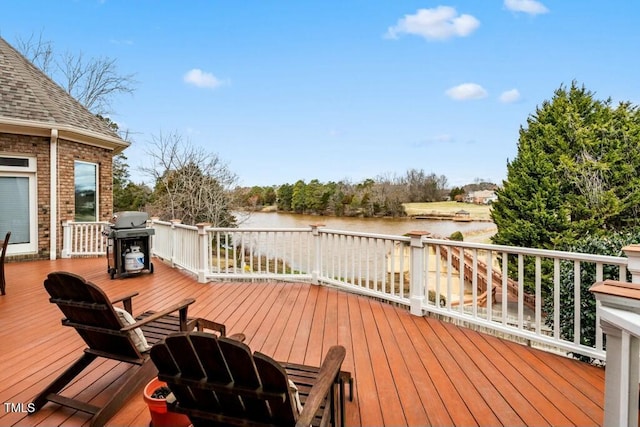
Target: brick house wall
<point x="68" y="153"/>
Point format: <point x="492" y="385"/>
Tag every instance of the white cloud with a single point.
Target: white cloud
<point x="466" y="91"/>
<point x="531" y="7"/>
<point x="440" y="23"/>
<point x="199" y="78"/>
<point x="510" y="96"/>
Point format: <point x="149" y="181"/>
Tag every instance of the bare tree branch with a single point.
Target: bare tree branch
<point x="39" y="52"/>
<point x="190" y="183"/>
<point x="93" y="82"/>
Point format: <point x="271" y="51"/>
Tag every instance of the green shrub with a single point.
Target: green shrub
<point x="457" y="236"/>
<point x="599" y="245"/>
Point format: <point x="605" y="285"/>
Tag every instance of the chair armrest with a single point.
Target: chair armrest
<point x="326" y="378"/>
<point x="181" y="307"/>
<point x="201" y="324"/>
<point x="126" y="301"/>
<point x="240" y="337"/>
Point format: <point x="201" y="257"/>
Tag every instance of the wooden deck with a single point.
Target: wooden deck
<point x="408" y="370"/>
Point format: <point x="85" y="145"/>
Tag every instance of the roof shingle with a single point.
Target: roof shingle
<point x="26" y="93"/>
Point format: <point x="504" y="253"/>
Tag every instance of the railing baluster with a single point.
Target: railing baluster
<point x="438" y="275"/>
<point x="427" y="280"/>
<point x="252" y="250"/>
<point x="474" y="283"/>
<point x="556" y="298"/>
<point x="599" y="332"/>
<point x="576" y="302"/>
<point x="520" y="291"/>
<point x="538" y="315"/>
<point x="504" y="295"/>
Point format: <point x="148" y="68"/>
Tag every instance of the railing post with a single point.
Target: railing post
<point x="152" y="241"/>
<point x="317" y="256"/>
<point x="619" y="310"/>
<point x="173" y="240"/>
<point x="633" y="253"/>
<point x="416" y="275"/>
<point x="204" y="260"/>
<point x="66" y="239"/>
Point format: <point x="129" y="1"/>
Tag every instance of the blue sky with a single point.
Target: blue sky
<point x="347" y="89"/>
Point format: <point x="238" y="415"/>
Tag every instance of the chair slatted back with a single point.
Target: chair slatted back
<point x="218" y="379"/>
<point x="88" y="310"/>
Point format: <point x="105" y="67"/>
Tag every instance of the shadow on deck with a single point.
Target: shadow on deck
<point x="408" y="370"/>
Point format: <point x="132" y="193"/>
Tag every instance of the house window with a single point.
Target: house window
<point x="86" y="191"/>
<point x="18" y="185"/>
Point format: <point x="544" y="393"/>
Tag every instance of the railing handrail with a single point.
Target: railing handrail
<point x="364" y="234"/>
<point x="259" y="229"/>
<point x="545" y="253"/>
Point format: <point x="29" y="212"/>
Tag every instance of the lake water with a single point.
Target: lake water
<point x="393" y="226"/>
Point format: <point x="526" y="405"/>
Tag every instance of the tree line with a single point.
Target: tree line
<point x="380" y="196"/>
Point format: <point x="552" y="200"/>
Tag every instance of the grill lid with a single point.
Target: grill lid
<point x="125" y="233"/>
<point x="129" y="219"/>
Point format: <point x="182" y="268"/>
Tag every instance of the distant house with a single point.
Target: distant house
<point x="55" y="159"/>
<point x="481" y="197"/>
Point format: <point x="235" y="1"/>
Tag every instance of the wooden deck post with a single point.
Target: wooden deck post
<point x="172" y="238"/>
<point x="66" y="239"/>
<point x="416" y="272"/>
<point x="152" y="240"/>
<point x="204" y="252"/>
<point x="619" y="312"/>
<point x="317" y="255"/>
<point x="633" y="253"/>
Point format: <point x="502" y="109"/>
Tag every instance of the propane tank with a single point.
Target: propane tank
<point x="134" y="260"/>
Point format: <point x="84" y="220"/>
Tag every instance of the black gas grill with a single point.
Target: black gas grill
<point x="129" y="244"/>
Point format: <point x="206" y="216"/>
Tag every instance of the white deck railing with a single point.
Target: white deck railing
<point x="466" y="282"/>
<point x="83" y="239"/>
<point x="513" y="302"/>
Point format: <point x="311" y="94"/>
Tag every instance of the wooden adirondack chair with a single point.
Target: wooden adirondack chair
<point x="89" y="311"/>
<point x="3" y="247"/>
<point x="218" y="382"/>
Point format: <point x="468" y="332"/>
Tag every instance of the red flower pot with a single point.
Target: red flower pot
<point x="160" y="416"/>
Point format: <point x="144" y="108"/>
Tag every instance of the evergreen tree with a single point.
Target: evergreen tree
<point x="576" y="172"/>
<point x="299" y="197"/>
<point x="285" y="193"/>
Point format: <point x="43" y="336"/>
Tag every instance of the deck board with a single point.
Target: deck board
<point x="408" y="370"/>
<point x="392" y="412"/>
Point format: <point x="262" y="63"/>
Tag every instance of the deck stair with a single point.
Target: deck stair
<point x="482" y="278"/>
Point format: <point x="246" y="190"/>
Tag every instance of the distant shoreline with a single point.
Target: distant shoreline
<point x="439" y="211"/>
<point x="450" y="211"/>
<point x="446" y="217"/>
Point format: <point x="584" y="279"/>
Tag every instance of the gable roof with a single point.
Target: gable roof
<point x="33" y="104"/>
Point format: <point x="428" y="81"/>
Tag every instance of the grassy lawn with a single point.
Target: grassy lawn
<point x="480" y="212"/>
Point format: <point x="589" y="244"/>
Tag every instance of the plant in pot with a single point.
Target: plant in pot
<point x="155" y="395"/>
